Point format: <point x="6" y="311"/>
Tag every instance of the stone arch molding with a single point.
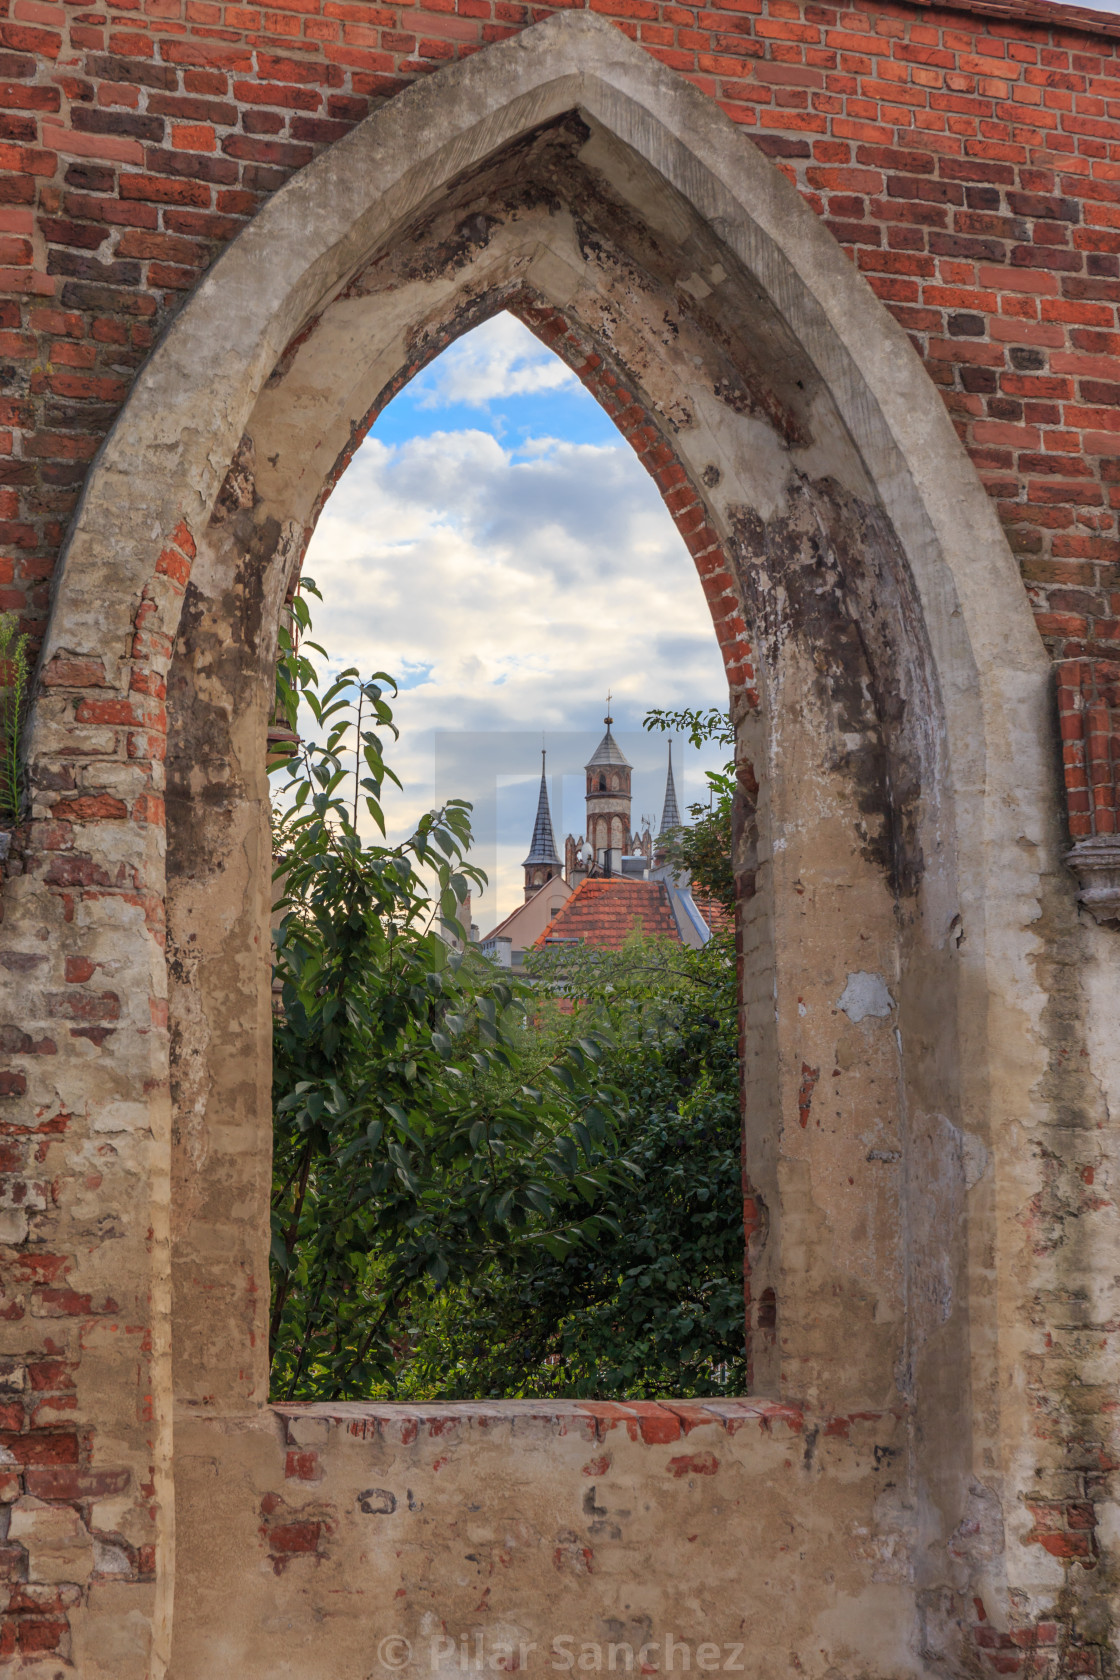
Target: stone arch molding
<point x="941" y="819"/>
<point x="171" y="447"/>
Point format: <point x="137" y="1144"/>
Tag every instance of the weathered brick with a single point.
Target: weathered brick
<point x="987" y="222"/>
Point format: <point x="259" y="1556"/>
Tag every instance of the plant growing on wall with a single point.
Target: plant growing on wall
<point x="14" y="683"/>
<point x="419" y="1132"/>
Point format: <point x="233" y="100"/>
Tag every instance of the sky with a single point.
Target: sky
<point x="497" y="547"/>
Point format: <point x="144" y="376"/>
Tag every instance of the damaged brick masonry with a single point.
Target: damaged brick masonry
<point x="847" y="281"/>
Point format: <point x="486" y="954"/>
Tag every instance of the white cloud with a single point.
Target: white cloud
<point x="499" y="359"/>
<point x="508" y="589"/>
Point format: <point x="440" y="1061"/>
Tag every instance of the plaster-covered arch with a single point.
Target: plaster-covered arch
<point x="897" y="811"/>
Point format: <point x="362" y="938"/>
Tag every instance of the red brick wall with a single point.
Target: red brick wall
<point x="968" y="161"/>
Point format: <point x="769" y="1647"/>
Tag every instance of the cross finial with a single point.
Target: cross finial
<point x="608" y="719"/>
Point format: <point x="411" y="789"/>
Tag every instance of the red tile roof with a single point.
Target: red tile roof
<point x="717" y="915"/>
<point x="604" y="910"/>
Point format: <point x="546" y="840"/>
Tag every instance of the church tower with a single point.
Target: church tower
<point x="608" y="795"/>
<point x="542" y="864"/>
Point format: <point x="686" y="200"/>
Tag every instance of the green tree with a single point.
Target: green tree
<point x="420" y="1134"/>
<point x="655" y="1304"/>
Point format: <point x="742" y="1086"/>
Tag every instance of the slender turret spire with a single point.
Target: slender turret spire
<point x="670" y="815"/>
<point x="543" y="861"/>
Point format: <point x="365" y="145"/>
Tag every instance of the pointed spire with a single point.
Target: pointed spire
<point x="542" y="848"/>
<point x="670" y="815"/>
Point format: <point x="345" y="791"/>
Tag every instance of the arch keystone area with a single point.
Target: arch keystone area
<point x="898" y="835"/>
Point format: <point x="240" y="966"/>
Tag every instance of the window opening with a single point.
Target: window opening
<point x="497" y="549"/>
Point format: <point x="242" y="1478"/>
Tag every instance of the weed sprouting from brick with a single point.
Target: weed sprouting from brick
<point x="14" y="676"/>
